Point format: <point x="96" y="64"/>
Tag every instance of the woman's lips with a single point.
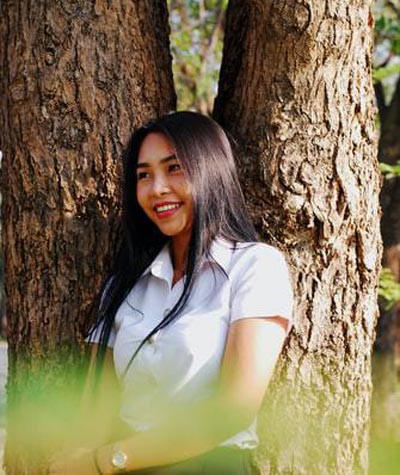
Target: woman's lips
<point x="164" y="210"/>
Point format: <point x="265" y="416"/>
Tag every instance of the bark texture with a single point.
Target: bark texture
<point x="78" y="76"/>
<point x="295" y="91"/>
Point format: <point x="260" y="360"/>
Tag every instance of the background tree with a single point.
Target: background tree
<point x="77" y="78"/>
<point x="386" y="408"/>
<point x="295" y="91"/>
<point x="387" y="88"/>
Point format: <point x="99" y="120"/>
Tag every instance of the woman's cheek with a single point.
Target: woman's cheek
<point x="141" y="196"/>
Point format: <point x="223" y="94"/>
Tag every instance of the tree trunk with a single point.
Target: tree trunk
<point x="296" y="93"/>
<point x="77" y="78"/>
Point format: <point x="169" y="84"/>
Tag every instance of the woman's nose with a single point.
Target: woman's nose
<point x="160" y="185"/>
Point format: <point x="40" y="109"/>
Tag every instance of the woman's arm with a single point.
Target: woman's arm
<point x="99" y="406"/>
<point x="252" y="349"/>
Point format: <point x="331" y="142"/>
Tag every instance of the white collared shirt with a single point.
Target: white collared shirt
<point x="181" y="362"/>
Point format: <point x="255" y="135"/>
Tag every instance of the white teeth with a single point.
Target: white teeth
<point x="160" y="209"/>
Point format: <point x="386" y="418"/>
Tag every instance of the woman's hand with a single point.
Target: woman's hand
<point x="73" y="462"/>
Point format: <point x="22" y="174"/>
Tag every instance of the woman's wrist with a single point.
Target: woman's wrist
<point x="110" y="459"/>
<point x="101" y="458"/>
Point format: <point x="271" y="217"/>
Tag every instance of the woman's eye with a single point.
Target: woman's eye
<point x="174" y="167"/>
<point x="141" y="175"/>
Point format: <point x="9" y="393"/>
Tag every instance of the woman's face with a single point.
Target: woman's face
<point x="163" y="191"/>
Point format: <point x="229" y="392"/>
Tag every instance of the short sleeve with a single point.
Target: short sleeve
<point x="261" y="284"/>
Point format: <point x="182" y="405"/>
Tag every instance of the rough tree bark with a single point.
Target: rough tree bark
<point x="296" y="93"/>
<point x="77" y="78"/>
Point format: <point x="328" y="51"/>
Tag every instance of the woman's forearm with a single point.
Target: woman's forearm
<point x="98" y="409"/>
<point x="185" y="434"/>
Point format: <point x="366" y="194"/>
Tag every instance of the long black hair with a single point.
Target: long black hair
<point x="205" y="154"/>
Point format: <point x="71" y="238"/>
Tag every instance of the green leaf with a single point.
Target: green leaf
<point x="390" y="171"/>
<point x="389" y="289"/>
<point x="385" y="72"/>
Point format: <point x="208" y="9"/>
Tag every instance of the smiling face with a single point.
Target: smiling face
<point x="163" y="191"/>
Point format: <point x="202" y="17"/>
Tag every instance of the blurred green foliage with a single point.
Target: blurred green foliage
<point x="387" y="44"/>
<point x="387" y="27"/>
<point x="380" y="74"/>
<point x="389" y="289"/>
<point x="196" y="44"/>
<point x="384" y="457"/>
<point x="386" y="74"/>
<point x="390" y="171"/>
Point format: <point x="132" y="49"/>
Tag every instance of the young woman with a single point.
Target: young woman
<point x="194" y="315"/>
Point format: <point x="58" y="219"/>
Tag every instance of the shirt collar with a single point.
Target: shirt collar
<point x="220" y="253"/>
<point x="162" y="266"/>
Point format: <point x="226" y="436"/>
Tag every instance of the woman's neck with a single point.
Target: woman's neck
<point x="179" y="251"/>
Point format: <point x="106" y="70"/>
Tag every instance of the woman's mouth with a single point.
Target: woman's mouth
<point x="164" y="210"/>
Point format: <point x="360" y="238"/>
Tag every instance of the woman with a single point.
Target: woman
<point x="194" y="315"/>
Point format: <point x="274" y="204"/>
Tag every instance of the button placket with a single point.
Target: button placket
<point x="153" y="338"/>
<point x="171" y="299"/>
<point x="166" y="311"/>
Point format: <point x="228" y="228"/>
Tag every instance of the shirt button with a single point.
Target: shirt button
<point x="153" y="338"/>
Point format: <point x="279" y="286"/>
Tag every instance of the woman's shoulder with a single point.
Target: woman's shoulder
<point x="237" y="258"/>
<point x="252" y="252"/>
<point x="260" y="282"/>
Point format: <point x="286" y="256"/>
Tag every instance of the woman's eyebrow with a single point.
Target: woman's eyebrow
<point x="162" y="160"/>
